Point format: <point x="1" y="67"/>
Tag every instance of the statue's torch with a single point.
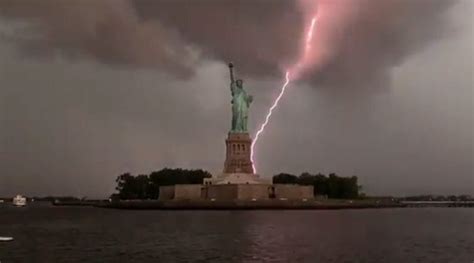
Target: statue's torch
<point x="231" y="70"/>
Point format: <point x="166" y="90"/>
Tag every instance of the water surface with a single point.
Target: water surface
<point x="84" y="234"/>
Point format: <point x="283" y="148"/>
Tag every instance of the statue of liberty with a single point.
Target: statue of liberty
<point x="240" y="104"/>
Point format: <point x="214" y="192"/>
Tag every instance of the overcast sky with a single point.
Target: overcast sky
<point x="390" y="101"/>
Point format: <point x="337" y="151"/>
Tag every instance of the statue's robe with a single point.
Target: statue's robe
<point x="240" y="107"/>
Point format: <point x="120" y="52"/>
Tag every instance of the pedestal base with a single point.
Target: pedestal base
<point x="237" y="178"/>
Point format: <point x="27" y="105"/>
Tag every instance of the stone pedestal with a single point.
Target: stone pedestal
<point x="238" y="167"/>
<point x="237" y="158"/>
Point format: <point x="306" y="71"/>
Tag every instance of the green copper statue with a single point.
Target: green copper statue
<point x="240" y="103"/>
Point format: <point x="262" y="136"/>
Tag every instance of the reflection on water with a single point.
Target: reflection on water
<point x="81" y="234"/>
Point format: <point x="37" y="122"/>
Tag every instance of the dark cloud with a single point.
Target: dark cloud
<point x="253" y="34"/>
<point x="258" y="36"/>
<point x="109" y="31"/>
<point x="356" y="42"/>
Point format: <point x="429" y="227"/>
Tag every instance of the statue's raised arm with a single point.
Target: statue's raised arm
<point x="231" y="70"/>
<point x="232" y="79"/>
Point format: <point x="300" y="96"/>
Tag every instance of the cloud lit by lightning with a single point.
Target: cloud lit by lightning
<point x="290" y="74"/>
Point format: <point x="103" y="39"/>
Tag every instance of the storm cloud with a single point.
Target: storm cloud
<point x="109" y="31"/>
<point x="358" y="42"/>
<point x="355" y="42"/>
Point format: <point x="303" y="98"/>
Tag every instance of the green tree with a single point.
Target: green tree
<point x="306" y="179"/>
<point x="142" y="186"/>
<point x="126" y="186"/>
<point x="284" y="178"/>
<point x="320" y="185"/>
<point x="334" y="186"/>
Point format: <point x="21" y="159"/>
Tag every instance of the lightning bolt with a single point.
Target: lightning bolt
<point x="289" y="73"/>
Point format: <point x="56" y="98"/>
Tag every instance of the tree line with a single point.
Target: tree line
<point x="145" y="186"/>
<point x="331" y="186"/>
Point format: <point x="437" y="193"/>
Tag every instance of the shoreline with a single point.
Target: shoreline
<point x="272" y="204"/>
<point x="243" y="205"/>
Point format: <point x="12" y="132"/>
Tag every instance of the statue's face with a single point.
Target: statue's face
<point x="239" y="83"/>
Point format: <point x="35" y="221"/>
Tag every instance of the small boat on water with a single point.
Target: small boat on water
<point x="5" y="239"/>
<point x="19" y="200"/>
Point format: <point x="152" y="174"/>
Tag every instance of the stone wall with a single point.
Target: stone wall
<point x="253" y="191"/>
<point x="237" y="178"/>
<point x="222" y="192"/>
<point x="187" y="191"/>
<point x="229" y="192"/>
<point x="166" y="192"/>
<point x="293" y="192"/>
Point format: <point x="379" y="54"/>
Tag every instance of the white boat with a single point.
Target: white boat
<point x="5" y="239"/>
<point x="19" y="200"/>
